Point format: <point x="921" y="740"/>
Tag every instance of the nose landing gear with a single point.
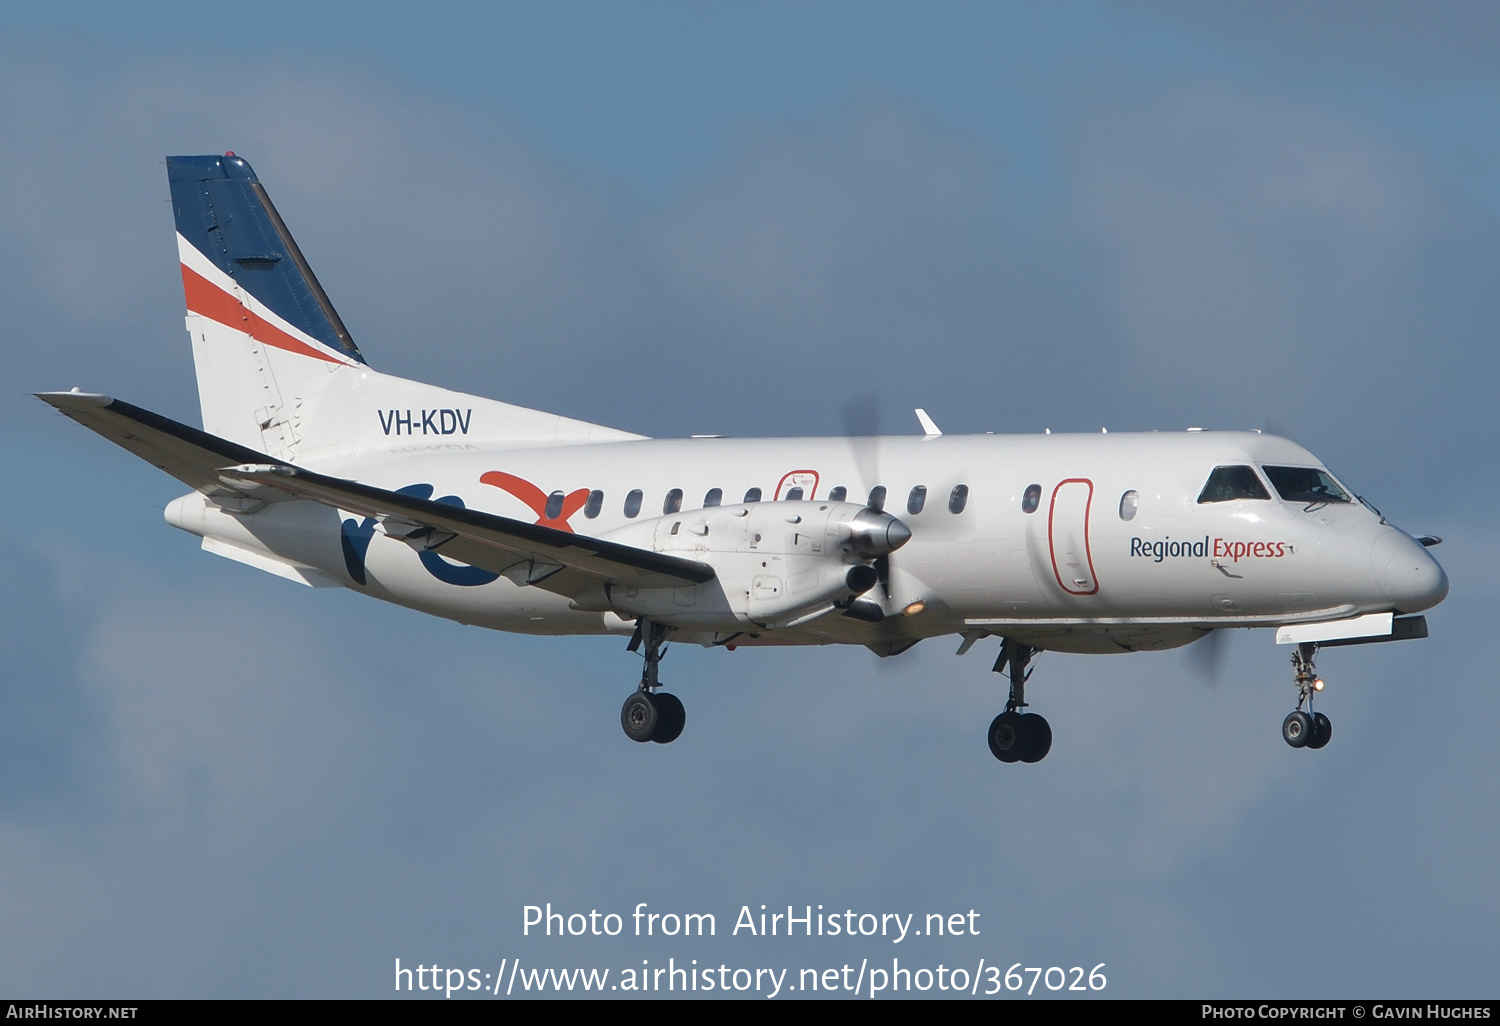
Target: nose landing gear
<point x="1306" y="729"/>
<point x="648" y="714"/>
<point x="1016" y="736"/>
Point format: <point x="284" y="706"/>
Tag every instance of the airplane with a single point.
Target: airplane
<point x="313" y="466"/>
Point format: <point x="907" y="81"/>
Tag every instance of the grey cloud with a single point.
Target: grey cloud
<point x="1267" y="260"/>
<point x="277" y="791"/>
<point x="808" y="231"/>
<point x="1248" y="232"/>
<point x="298" y="786"/>
<point x="1388" y="38"/>
<point x="818" y="262"/>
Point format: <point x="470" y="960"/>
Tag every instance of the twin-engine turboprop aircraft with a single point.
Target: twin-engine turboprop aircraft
<point x="315" y="467"/>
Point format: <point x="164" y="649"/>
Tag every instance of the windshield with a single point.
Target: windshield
<point x="1226" y="484"/>
<point x="1305" y="484"/>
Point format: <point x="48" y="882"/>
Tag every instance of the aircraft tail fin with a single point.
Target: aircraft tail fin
<point x="264" y="332"/>
<point x="225" y="215"/>
<point x="277" y="369"/>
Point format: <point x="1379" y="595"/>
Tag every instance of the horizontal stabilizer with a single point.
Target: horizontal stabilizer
<point x="309" y="576"/>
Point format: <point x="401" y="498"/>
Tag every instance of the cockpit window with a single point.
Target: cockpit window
<point x="1305" y="484"/>
<point x="1228" y="483"/>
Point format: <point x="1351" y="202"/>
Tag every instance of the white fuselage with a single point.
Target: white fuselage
<point x="1073" y="573"/>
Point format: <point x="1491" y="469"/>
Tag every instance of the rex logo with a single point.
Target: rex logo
<point x="355" y="537"/>
<point x="552" y="511"/>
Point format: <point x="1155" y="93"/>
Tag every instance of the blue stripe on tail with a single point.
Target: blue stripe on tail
<point x="224" y="212"/>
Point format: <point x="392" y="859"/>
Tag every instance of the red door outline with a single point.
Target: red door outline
<point x="1087" y="552"/>
<point x="812" y="492"/>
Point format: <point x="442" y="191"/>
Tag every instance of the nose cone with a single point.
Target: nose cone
<point x="877" y="534"/>
<point x="1407" y="573"/>
<point x="897" y="534"/>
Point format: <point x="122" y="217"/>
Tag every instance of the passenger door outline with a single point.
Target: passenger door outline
<point x="1066" y="534"/>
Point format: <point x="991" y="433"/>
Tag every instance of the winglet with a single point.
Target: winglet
<point x="73" y="400"/>
<point x="929" y="429"/>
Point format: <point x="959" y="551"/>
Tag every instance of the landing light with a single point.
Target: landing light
<point x="1318" y="684"/>
<point x="914" y="609"/>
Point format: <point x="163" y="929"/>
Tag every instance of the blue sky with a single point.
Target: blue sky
<point x="682" y="218"/>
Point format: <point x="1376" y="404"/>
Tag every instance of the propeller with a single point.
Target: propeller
<point x="861" y="417"/>
<point x="1206" y="656"/>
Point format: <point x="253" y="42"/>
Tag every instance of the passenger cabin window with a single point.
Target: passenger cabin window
<point x="877" y="498"/>
<point x="753" y="495"/>
<point x="1226" y="484"/>
<point x="794" y="494"/>
<point x="1128" y="503"/>
<point x="673" y="502"/>
<point x="713" y="498"/>
<point x="1031" y="499"/>
<point x="1305" y="484"/>
<point x="594" y="505"/>
<point x="633" y="503"/>
<point x="916" y="500"/>
<point x="839" y="494"/>
<point x="958" y="498"/>
<point x="554" y="505"/>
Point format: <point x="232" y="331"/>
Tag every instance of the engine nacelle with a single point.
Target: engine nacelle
<point x="777" y="564"/>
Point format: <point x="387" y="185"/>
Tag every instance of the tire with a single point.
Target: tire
<point x="1007" y="737"/>
<point x="1297" y="729"/>
<point x="1322" y="731"/>
<point x="639" y="716"/>
<point x="670" y="718"/>
<point x="1037" y="733"/>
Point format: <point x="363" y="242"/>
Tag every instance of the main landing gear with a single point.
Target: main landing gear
<point x="648" y="714"/>
<point x="1016" y="736"/>
<point x="1306" y="729"/>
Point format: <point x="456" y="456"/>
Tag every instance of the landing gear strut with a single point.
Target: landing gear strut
<point x="648" y="714"/>
<point x="1306" y="729"/>
<point x="1016" y="736"/>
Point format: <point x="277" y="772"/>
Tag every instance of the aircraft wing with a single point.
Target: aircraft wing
<point x="528" y="553"/>
<point x="191" y="456"/>
<point x="558" y="561"/>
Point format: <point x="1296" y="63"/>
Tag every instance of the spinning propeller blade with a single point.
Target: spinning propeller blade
<point x="1206" y="656"/>
<point x="861" y="417"/>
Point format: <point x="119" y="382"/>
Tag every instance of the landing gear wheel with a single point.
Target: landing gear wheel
<point x="670" y="718"/>
<point x="639" y="716"/>
<point x="1306" y="729"/>
<point x="1007" y="737"/>
<point x="1297" y="729"/>
<point x="1322" y="731"/>
<point x="1036" y="733"/>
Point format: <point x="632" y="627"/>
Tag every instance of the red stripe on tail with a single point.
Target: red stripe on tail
<point x="208" y="300"/>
